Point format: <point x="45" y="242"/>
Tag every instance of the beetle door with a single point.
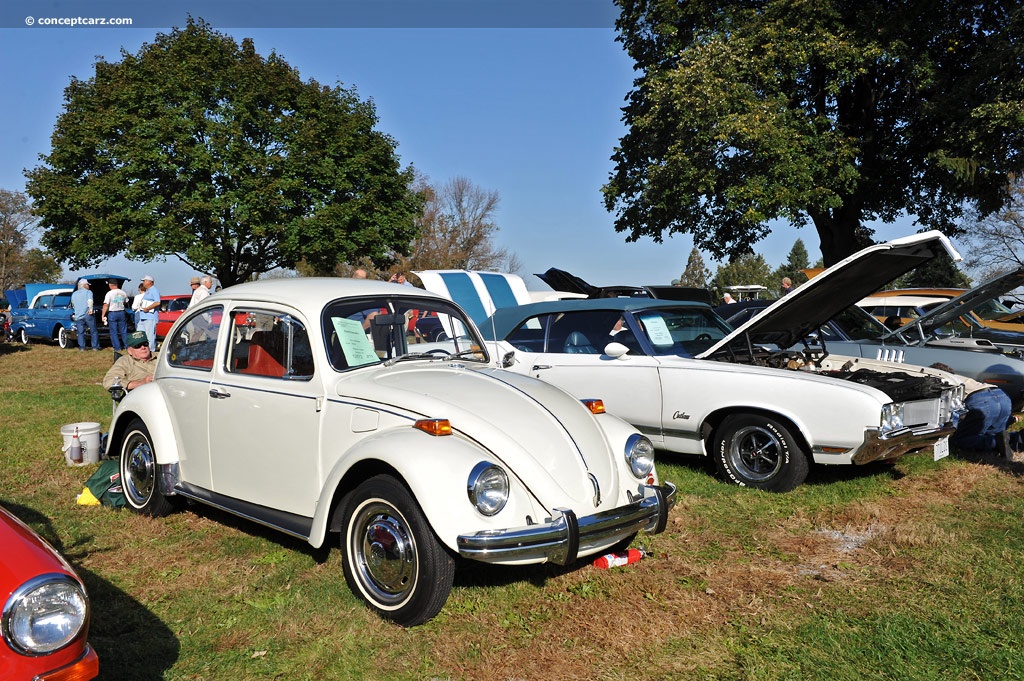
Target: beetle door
<point x="265" y="410"/>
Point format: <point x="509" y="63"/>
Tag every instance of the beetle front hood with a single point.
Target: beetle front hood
<point x="791" y="318"/>
<point x="542" y="435"/>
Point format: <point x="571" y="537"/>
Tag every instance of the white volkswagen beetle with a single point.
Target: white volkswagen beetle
<point x="302" y="404"/>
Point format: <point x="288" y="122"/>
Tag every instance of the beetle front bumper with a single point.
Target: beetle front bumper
<point x="565" y="537"/>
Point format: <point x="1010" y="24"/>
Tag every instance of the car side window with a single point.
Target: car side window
<point x="271" y="344"/>
<point x="529" y="336"/>
<point x="62" y="300"/>
<point x="584" y="333"/>
<point x="193" y="345"/>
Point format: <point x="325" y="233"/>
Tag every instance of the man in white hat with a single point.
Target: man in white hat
<point x="81" y="303"/>
<point x="200" y="289"/>
<point x="149" y="311"/>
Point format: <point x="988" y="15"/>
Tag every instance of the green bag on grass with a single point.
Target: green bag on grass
<point x="105" y="484"/>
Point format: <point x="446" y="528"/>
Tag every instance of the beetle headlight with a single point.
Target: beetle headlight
<point x="488" y="488"/>
<point x="45" y="614"/>
<point x="892" y="417"/>
<point x="639" y="455"/>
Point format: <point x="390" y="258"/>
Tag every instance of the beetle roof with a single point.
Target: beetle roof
<point x="314" y="292"/>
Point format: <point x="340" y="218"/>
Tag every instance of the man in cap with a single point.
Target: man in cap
<point x="149" y="310"/>
<point x="81" y="302"/>
<point x="200" y="289"/>
<point x="134" y="368"/>
<point x="114" y="315"/>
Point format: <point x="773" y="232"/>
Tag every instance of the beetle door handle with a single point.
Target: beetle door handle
<point x="219" y="394"/>
<point x="537" y="367"/>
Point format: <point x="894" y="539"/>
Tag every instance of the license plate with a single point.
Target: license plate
<point x="942" y="448"/>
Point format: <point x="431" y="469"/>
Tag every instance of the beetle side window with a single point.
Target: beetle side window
<point x="193" y="345"/>
<point x="269" y="344"/>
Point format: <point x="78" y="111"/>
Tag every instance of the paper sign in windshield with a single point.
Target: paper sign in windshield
<point x="357" y="347"/>
<point x="657" y="330"/>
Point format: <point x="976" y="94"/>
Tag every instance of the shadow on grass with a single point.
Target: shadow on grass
<point x="131" y="642"/>
<point x="8" y="348"/>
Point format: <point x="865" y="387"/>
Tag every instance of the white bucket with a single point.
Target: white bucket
<point x="88" y="435"/>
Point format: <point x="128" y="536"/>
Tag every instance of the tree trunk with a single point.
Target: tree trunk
<point x="838" y="236"/>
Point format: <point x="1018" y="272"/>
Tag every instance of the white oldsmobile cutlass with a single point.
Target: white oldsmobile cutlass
<point x="684" y="378"/>
<point x="303" y="404"/>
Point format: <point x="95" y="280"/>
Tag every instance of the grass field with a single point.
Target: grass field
<point x="905" y="571"/>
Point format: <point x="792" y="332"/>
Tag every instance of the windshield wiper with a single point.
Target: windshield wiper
<point x="433" y="354"/>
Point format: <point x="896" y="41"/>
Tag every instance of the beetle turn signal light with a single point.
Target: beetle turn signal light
<point x="434" y="426"/>
<point x="595" y="406"/>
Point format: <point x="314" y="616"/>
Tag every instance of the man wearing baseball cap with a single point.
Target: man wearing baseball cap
<point x="149" y="311"/>
<point x="135" y="368"/>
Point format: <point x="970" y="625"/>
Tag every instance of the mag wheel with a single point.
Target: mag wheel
<point x="757" y="451"/>
<point x="392" y="559"/>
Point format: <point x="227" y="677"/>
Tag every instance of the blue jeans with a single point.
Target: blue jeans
<point x="988" y="414"/>
<point x="88" y="321"/>
<point x="149" y="326"/>
<point x="118" y="324"/>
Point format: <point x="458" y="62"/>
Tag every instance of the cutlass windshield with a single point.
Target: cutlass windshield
<point x="682" y="332"/>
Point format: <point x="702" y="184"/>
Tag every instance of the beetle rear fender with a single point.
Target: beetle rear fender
<point x="145" y="403"/>
<point x="436" y="470"/>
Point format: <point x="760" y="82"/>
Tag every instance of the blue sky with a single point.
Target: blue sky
<point x="533" y="113"/>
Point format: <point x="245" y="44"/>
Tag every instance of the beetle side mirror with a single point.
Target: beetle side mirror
<point x="616" y="350"/>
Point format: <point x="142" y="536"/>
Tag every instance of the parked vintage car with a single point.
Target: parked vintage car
<point x="48" y="315"/>
<point x="855" y="332"/>
<point x="171" y="308"/>
<point x="978" y="312"/>
<point x="315" y="415"/>
<point x="45" y="622"/>
<point x="898" y="310"/>
<point x="682" y="376"/>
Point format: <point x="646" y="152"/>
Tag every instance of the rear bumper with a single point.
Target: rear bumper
<point x="879" y="447"/>
<point x="565" y="537"/>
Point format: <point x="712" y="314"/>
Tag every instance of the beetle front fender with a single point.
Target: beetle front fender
<point x="436" y="469"/>
<point x="147" y="402"/>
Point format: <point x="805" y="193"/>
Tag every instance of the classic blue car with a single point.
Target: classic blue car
<point x="47" y="315"/>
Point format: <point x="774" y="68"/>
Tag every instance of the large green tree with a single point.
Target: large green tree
<point x="835" y="112"/>
<point x="199" y="148"/>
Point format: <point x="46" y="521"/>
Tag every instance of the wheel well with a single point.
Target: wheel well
<point x="715" y="419"/>
<point x="115" y="436"/>
<point x="56" y="331"/>
<point x="358" y="473"/>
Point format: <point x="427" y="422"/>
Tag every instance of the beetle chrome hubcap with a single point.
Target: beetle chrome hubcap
<point x="756" y="453"/>
<point x="141" y="472"/>
<point x="385" y="552"/>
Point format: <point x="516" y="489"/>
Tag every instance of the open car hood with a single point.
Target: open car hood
<point x="786" y="321"/>
<point x="560" y="280"/>
<point x="967" y="301"/>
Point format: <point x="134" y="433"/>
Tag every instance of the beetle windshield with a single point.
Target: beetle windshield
<point x="362" y="331"/>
